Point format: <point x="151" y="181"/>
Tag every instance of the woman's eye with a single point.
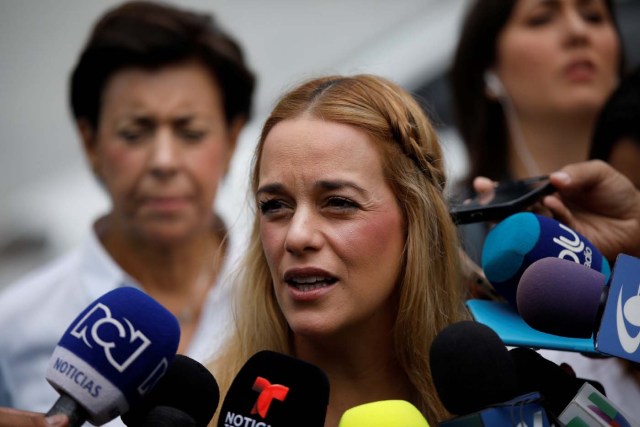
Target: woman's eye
<point x="539" y="19"/>
<point x="192" y="135"/>
<point x="341" y="203"/>
<point x="271" y="206"/>
<point x="131" y="136"/>
<point x="594" y="16"/>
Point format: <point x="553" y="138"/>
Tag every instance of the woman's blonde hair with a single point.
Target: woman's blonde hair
<point x="430" y="294"/>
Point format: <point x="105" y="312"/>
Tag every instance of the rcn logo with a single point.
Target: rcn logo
<point x="630" y="311"/>
<point x="122" y="343"/>
<point x="268" y="392"/>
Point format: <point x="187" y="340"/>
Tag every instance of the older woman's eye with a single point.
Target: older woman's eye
<point x="131" y="136"/>
<point x="192" y="135"/>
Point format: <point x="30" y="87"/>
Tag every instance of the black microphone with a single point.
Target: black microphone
<point x="276" y="390"/>
<point x="186" y="396"/>
<point x="471" y="368"/>
<point x="557" y="386"/>
<point x="476" y="379"/>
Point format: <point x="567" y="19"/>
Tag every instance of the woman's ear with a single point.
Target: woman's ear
<point x="88" y="136"/>
<point x="235" y="127"/>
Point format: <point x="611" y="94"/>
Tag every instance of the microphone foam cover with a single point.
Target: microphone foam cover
<point x="560" y="297"/>
<point x="523" y="238"/>
<point x="471" y="368"/>
<point x="166" y="416"/>
<point x="535" y="373"/>
<point x="187" y="387"/>
<point x="114" y="352"/>
<point x="384" y="413"/>
<point x="278" y="390"/>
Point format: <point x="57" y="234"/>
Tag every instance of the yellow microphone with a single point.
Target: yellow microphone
<point x="384" y="413"/>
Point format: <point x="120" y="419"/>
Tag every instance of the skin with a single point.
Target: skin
<point x="161" y="149"/>
<point x="14" y="418"/>
<point x="326" y="210"/>
<point x="555" y="55"/>
<point x="557" y="61"/>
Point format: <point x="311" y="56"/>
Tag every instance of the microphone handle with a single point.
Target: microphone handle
<point x="67" y="406"/>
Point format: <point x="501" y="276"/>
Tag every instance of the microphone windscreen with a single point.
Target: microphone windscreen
<point x="165" y="416"/>
<point x="522" y="239"/>
<point x="560" y="297"/>
<point x="276" y="390"/>
<point x="114" y="352"/>
<point x="187" y="387"/>
<point x="384" y="413"/>
<point x="471" y="368"/>
<point x="535" y="373"/>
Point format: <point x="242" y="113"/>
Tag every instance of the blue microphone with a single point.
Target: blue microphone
<point x="111" y="355"/>
<point x="521" y="239"/>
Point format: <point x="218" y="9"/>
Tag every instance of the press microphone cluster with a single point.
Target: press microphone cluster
<point x="111" y="356"/>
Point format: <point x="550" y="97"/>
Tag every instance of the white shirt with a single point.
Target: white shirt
<point x="36" y="311"/>
<point x="621" y="388"/>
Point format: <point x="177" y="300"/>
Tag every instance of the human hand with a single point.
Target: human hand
<point x="10" y="417"/>
<point x="600" y="203"/>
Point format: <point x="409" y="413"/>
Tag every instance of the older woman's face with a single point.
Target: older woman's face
<point x="557" y="56"/>
<point x="161" y="148"/>
<point x="330" y="226"/>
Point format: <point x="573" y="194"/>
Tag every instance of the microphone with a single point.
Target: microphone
<point x="384" y="413"/>
<point x="471" y="367"/>
<point x="534" y="373"/>
<point x="563" y="298"/>
<point x="187" y="395"/>
<point x="276" y="390"/>
<point x="475" y="378"/>
<point x="111" y="355"/>
<point x="523" y="238"/>
<point x="590" y="408"/>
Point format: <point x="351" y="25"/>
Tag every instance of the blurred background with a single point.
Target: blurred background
<point x="48" y="197"/>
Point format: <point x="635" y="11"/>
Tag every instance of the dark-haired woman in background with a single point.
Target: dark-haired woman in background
<point x="529" y="79"/>
<point x="159" y="96"/>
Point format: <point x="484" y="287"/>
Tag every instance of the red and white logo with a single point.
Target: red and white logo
<point x="268" y="392"/>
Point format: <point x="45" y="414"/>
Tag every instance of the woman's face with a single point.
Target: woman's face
<point x="556" y="56"/>
<point x="330" y="226"/>
<point x="161" y="148"/>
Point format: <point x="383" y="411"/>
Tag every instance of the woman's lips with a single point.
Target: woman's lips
<point x="580" y="70"/>
<point x="308" y="283"/>
<point x="166" y="204"/>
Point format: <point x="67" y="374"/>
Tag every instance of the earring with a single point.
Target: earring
<point x="493" y="85"/>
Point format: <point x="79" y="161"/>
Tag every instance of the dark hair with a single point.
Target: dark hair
<point x="619" y="118"/>
<point x="481" y="121"/>
<point x="152" y="35"/>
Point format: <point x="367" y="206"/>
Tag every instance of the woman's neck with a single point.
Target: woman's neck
<point x="178" y="276"/>
<point x="360" y="370"/>
<point x="551" y="143"/>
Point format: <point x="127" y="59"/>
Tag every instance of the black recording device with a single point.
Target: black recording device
<point x="509" y="197"/>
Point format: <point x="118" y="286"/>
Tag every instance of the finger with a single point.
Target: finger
<point x="557" y="209"/>
<point x="483" y="184"/>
